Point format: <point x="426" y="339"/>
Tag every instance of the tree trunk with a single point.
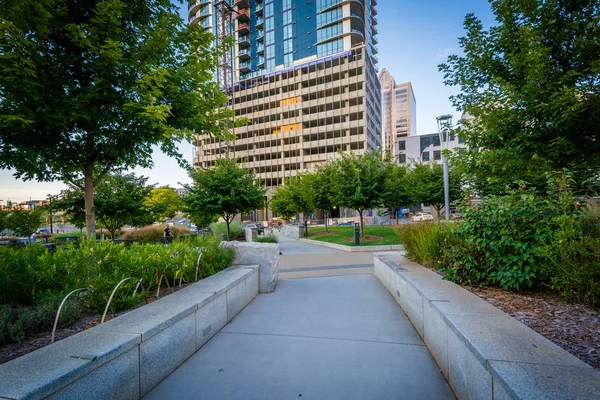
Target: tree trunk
<point x="397" y="215"/>
<point x="362" y="228"/>
<point x="90" y="222"/>
<point x="227" y="223"/>
<point x="325" y="222"/>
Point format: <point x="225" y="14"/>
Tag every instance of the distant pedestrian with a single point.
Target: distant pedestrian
<point x="167" y="231"/>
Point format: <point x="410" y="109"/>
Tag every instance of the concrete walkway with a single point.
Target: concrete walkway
<point x="322" y="338"/>
<point x="307" y="260"/>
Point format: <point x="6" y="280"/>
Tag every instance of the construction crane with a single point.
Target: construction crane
<point x="225" y="74"/>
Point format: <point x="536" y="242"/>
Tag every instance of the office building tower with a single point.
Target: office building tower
<point x="304" y="75"/>
<point x="398" y="111"/>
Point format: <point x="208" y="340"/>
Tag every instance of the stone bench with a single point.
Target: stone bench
<point x="129" y="355"/>
<point x="483" y="352"/>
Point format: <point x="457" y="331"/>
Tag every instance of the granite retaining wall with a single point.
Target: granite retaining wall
<point x="128" y="356"/>
<point x="482" y="352"/>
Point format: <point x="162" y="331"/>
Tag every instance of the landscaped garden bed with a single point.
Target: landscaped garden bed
<point x="35" y="281"/>
<point x="534" y="255"/>
<point x="374" y="235"/>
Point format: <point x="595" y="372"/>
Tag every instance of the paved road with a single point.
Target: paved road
<point x="320" y="338"/>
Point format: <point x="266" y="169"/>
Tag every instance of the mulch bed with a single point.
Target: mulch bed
<point x="321" y="233"/>
<point x="574" y="327"/>
<point x="363" y="239"/>
<point x="11" y="351"/>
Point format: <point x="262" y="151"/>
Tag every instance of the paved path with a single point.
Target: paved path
<point x="321" y="338"/>
<point x="307" y="260"/>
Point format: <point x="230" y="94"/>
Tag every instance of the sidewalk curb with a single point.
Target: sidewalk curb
<point x="356" y="249"/>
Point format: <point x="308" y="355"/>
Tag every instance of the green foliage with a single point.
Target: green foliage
<point x="531" y="85"/>
<point x="283" y="203"/>
<point x="236" y="230"/>
<point x="426" y="185"/>
<point x="359" y="182"/>
<point x="90" y="87"/>
<point x="35" y="280"/>
<point x="266" y="239"/>
<point x="344" y="235"/>
<point x="24" y="222"/>
<point x="225" y="190"/>
<point x="501" y="240"/>
<point x="293" y="197"/>
<point x="425" y="243"/>
<point x="163" y="203"/>
<point x="153" y="233"/>
<point x="3" y="219"/>
<point x="397" y="187"/>
<point x="119" y="200"/>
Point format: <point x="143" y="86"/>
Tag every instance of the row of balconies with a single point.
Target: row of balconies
<point x="309" y="76"/>
<point x="347" y="126"/>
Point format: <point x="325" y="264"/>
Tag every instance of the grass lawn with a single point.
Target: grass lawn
<point x="374" y="235"/>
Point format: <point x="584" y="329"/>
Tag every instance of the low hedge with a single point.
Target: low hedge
<point x="35" y="280"/>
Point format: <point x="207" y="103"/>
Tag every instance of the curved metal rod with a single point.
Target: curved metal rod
<point x="137" y="285"/>
<point x="198" y="266"/>
<point x="159" y="282"/>
<point x="62" y="303"/>
<point x="111" y="297"/>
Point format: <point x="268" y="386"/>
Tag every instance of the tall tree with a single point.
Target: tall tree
<point x="359" y="182"/>
<point x="120" y="200"/>
<point x="397" y="190"/>
<point x="282" y="203"/>
<point x="320" y="189"/>
<point x="531" y="84"/>
<point x="225" y="190"/>
<point x="25" y="222"/>
<point x="164" y="203"/>
<point x="426" y="185"/>
<point x="3" y="221"/>
<point x="88" y="87"/>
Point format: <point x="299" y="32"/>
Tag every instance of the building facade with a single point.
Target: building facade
<point x="398" y="111"/>
<point x="424" y="148"/>
<point x="305" y="78"/>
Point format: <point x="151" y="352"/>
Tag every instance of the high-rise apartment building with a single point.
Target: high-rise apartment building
<point x="304" y="76"/>
<point x="398" y="111"/>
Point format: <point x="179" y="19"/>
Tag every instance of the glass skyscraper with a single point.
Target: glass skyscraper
<point x="304" y="74"/>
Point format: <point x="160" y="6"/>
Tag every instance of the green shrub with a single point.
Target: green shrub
<point x="424" y="243"/>
<point x="505" y="240"/>
<point x="153" y="233"/>
<point x="236" y="230"/>
<point x="267" y="239"/>
<point x="34" y="281"/>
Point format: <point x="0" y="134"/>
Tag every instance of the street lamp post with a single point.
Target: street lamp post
<point x="444" y="123"/>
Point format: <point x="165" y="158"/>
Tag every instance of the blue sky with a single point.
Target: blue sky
<point x="414" y="37"/>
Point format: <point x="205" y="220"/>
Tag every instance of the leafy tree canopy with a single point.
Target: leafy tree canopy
<point x="88" y="87"/>
<point x="531" y="85"/>
<point x="397" y="190"/>
<point x="164" y="203"/>
<point x="224" y="190"/>
<point x="24" y="222"/>
<point x="359" y="182"/>
<point x="120" y="200"/>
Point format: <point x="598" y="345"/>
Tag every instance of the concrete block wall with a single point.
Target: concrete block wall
<point x="482" y="352"/>
<point x="128" y="356"/>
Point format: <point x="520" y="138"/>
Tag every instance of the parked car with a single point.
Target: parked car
<point x="43" y="231"/>
<point x="420" y="216"/>
<point x="346" y="224"/>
